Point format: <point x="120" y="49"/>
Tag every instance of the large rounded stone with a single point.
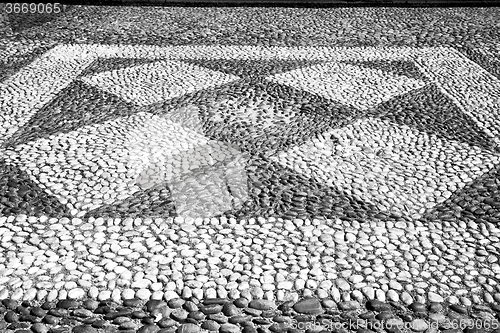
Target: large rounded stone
<point x="188" y="328"/>
<point x="376" y="305"/>
<point x="262" y="304"/>
<point x="309" y="306"/>
<point x="84" y="329"/>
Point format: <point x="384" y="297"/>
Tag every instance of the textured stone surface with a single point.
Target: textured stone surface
<point x="292" y="166"/>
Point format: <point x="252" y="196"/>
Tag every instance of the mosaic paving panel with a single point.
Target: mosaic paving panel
<point x="264" y="111"/>
<point x="384" y="164"/>
<point x="137" y="158"/>
<point x="156" y="82"/>
<point x="256" y="186"/>
<point x="348" y="84"/>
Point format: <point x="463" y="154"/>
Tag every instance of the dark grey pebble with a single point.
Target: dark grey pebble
<point x="84" y="329"/>
<point x="100" y="323"/>
<point x="67" y="304"/>
<point x="261" y="321"/>
<point x="90" y="304"/>
<point x="187" y="328"/>
<point x="262" y="304"/>
<point x="481" y="307"/>
<point x="38" y="311"/>
<point x="238" y="319"/>
<point x="281" y="319"/>
<point x="138" y="314"/>
<point x="218" y="317"/>
<point x="166" y="322"/>
<point x="132" y="302"/>
<point x="154" y="304"/>
<point x="128" y="325"/>
<point x="103" y="309"/>
<point x="376" y="305"/>
<point x="406" y="317"/>
<point x="220" y="301"/>
<point x="9" y="303"/>
<point x="18" y="325"/>
<point x="21" y="310"/>
<point x="367" y="315"/>
<point x="115" y="314"/>
<point x="51" y="320"/>
<point x="11" y="317"/>
<point x="241" y="302"/>
<point x="210" y="325"/>
<point x="48" y="305"/>
<point x="60" y="329"/>
<point x="190" y="306"/>
<point x="286" y="306"/>
<point x="458" y="308"/>
<point x="252" y="312"/>
<point x="196" y="315"/>
<point x="82" y="313"/>
<point x="149" y="329"/>
<point x="309" y="306"/>
<point x="435" y="307"/>
<point x="229" y="309"/>
<point x="89" y="321"/>
<point x="229" y="328"/>
<point x="211" y="308"/>
<point x="249" y="329"/>
<point x="175" y="303"/>
<point x="39" y="328"/>
<point x="383" y="316"/>
<point x="179" y="314"/>
<point x="417" y="307"/>
<point x="166" y="330"/>
<point x="30" y="318"/>
<point x="120" y="320"/>
<point x="26" y="304"/>
<point x="279" y="327"/>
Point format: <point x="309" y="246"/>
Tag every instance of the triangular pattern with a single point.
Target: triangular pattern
<point x="395" y="67"/>
<point x="379" y="162"/>
<point x="256" y="113"/>
<point x="359" y="87"/>
<point x="290" y="194"/>
<point x="478" y="201"/>
<point x="252" y="69"/>
<point x="143" y="151"/>
<point x="158" y="81"/>
<point x="111" y="64"/>
<point x="155" y="202"/>
<point x="428" y="110"/>
<point x="19" y="54"/>
<point x="19" y="194"/>
<point x="76" y="106"/>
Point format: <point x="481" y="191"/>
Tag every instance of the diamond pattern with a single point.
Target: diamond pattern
<point x="345" y="132"/>
<point x="156" y="82"/>
<point x="429" y="110"/>
<point x="141" y="152"/>
<point x="78" y="105"/>
<point x="361" y="88"/>
<point x="393" y="167"/>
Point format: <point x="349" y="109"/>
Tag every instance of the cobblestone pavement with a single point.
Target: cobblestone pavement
<point x="250" y="170"/>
